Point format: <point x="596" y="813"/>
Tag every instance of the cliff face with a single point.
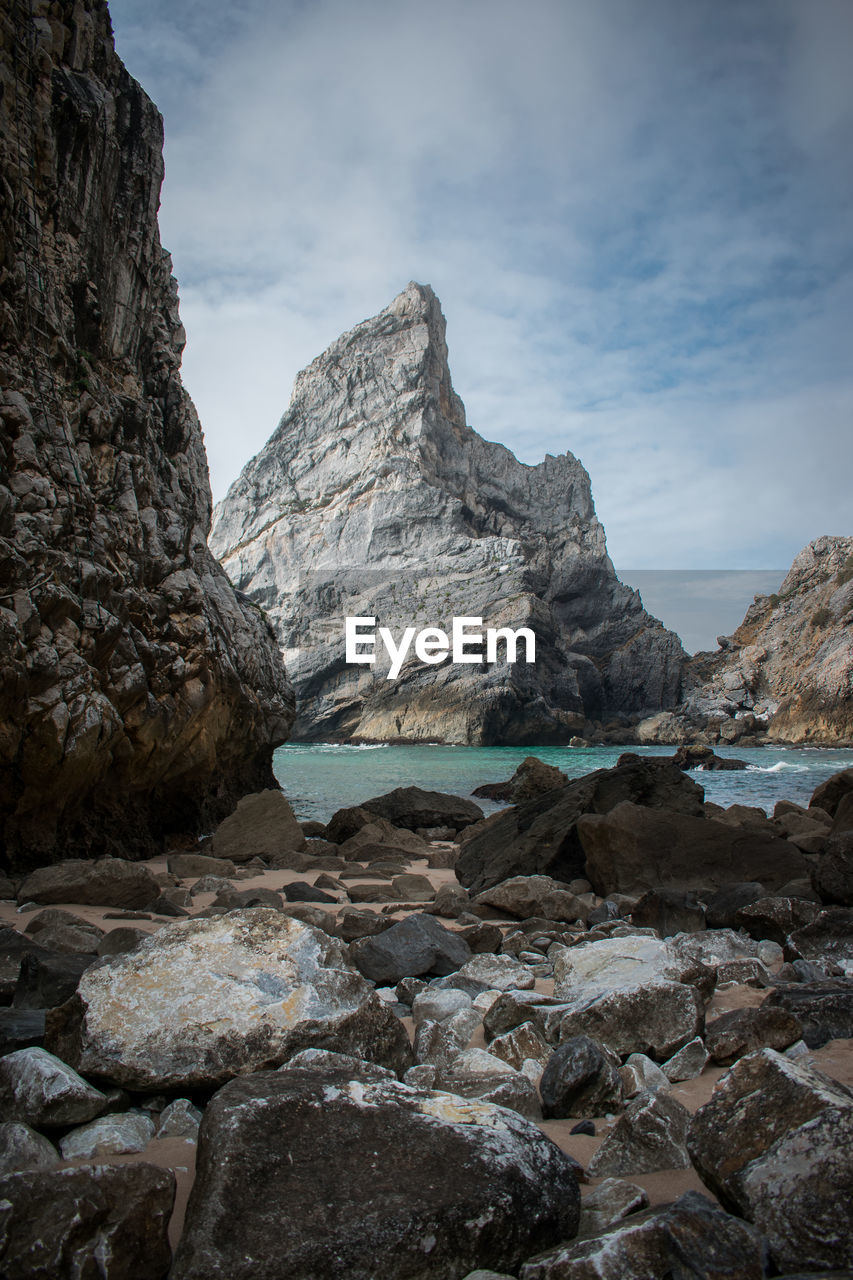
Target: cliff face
<point x="788" y="669"/>
<point x="374" y="498"/>
<point x="138" y="692"/>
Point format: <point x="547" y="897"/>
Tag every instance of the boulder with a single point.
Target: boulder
<point x="109" y="1221"/>
<point x="20" y="1028"/>
<point x="641" y="1075"/>
<point x="747" y="972"/>
<point x="826" y="942"/>
<point x="39" y="1089"/>
<point x="412" y="807"/>
<point x="522" y="1044"/>
<point x="832" y="876"/>
<point x="712" y="948"/>
<point x="301" y="891"/>
<point x="829" y="795"/>
<point x="479" y="1076"/>
<point x="742" y="1031"/>
<point x="106" y="882"/>
<point x="532" y="778"/>
<point x="775" y="1136"/>
<point x="180" y="1119"/>
<point x="525" y="896"/>
<point x="611" y="1202"/>
<point x="451" y="900"/>
<point x="116" y="942"/>
<point x="47" y="978"/>
<point x="207" y="999"/>
<point x="22" y="1148"/>
<point x="261" y="826"/>
<point x="433" y="1005"/>
<point x="492" y="972"/>
<point x="632" y="849"/>
<point x="439" y="1043"/>
<point x="669" y="911"/>
<point x="70" y="939"/>
<point x="421" y="1183"/>
<point x="416" y="945"/>
<point x="691" y="1238"/>
<point x="191" y="865"/>
<point x="650" y="1135"/>
<point x="721" y="908"/>
<point x="824" y="1009"/>
<point x="694" y="756"/>
<point x="656" y="1018"/>
<point x="111" y="1135"/>
<point x="688" y="1063"/>
<point x="540" y="837"/>
<point x="580" y="1079"/>
<point x="775" y="918"/>
<point x="412" y="888"/>
<point x="598" y="968"/>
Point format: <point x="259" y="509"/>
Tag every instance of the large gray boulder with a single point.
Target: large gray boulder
<point x="412" y="807"/>
<point x="649" y="1136"/>
<point x="633" y="848"/>
<point x="541" y="837"/>
<point x="526" y="896"/>
<point x="104" y="1221"/>
<point x="416" y="945"/>
<point x="106" y="882"/>
<point x="420" y="1184"/>
<point x="41" y="1090"/>
<point x="824" y="1009"/>
<point x="657" y="1019"/>
<point x="261" y="826"/>
<point x="775" y="1144"/>
<point x="206" y="999"/>
<point x="580" y="1079"/>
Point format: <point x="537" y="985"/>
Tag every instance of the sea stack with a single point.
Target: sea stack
<point x="138" y="693"/>
<point x="375" y="498"/>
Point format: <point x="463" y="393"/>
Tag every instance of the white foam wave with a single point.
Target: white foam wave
<point x="777" y="768"/>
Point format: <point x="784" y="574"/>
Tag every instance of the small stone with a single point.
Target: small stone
<point x="108" y="1136"/>
<point x="688" y="1063"/>
<point x="584" y="1127"/>
<point x="641" y="1075"/>
<point x="180" y="1119"/>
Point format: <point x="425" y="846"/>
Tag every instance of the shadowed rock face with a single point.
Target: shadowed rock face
<point x="374" y="498"/>
<point x="137" y="691"/>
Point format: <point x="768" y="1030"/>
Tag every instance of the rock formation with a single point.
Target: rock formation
<point x="374" y="498"/>
<point x="137" y="691"/>
<point x="787" y="672"/>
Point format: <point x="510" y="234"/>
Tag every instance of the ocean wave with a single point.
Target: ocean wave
<point x="777" y="768"/>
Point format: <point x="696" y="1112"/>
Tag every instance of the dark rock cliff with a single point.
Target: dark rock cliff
<point x="138" y="692"/>
<point x="375" y="498"/>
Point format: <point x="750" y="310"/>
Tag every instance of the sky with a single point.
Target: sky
<point x="637" y="217"/>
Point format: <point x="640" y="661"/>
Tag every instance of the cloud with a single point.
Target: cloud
<point x="636" y="217"/>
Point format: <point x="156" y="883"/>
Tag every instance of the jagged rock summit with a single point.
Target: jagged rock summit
<point x="137" y="691"/>
<point x="374" y="498"/>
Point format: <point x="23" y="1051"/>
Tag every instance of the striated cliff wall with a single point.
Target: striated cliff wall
<point x="374" y="498"/>
<point x="788" y="669"/>
<point x="138" y="692"/>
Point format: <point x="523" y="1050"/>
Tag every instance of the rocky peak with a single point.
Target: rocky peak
<point x="137" y="692"/>
<point x="374" y="497"/>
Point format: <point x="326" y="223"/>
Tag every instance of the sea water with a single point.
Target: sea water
<point x="319" y="778"/>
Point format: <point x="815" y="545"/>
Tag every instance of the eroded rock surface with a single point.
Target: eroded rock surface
<point x="206" y="999"/>
<point x="138" y="692"/>
<point x="423" y="1184"/>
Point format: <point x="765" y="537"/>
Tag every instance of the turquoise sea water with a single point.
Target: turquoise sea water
<point x="319" y="778"/>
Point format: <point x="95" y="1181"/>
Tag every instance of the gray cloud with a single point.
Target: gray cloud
<point x="636" y="217"/>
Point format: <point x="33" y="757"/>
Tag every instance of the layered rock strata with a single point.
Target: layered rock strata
<point x="137" y="690"/>
<point x="374" y="498"/>
<point x="786" y="674"/>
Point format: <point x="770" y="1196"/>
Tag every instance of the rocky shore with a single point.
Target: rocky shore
<point x="605" y="1032"/>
